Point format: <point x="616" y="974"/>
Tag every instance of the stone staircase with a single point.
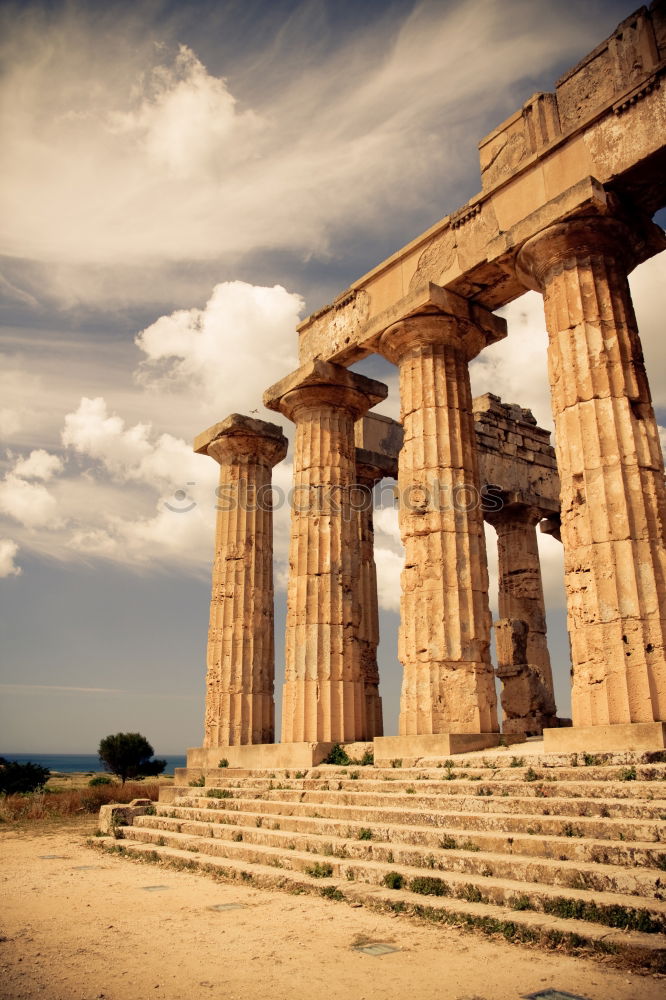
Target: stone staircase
<point x="565" y="852"/>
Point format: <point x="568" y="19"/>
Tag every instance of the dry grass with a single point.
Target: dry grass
<point x="40" y="806"/>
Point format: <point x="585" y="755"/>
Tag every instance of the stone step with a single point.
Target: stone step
<point x="616" y="909"/>
<point x="465" y="814"/>
<point x="626" y="852"/>
<point x="482" y="800"/>
<point x="462" y="785"/>
<point x="500" y="769"/>
<point x="365" y="844"/>
<point x="637" y="949"/>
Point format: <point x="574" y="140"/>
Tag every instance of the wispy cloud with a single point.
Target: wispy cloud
<point x="120" y="149"/>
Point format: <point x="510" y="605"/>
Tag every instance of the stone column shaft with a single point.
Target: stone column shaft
<point x="521" y="587"/>
<point x="611" y="471"/>
<point x="448" y="681"/>
<point x="367" y="476"/>
<point x="240" y="656"/>
<point x="324" y="697"/>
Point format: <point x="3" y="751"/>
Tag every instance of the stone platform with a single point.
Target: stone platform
<point x="560" y="850"/>
<point x="632" y="736"/>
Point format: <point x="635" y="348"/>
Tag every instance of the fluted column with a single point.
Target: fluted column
<point x="448" y="682"/>
<point x="611" y="470"/>
<point x="240" y="658"/>
<point x="324" y="696"/>
<point x="521" y="598"/>
<point x="368" y="473"/>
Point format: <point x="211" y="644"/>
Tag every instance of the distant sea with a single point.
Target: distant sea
<point x="69" y="762"/>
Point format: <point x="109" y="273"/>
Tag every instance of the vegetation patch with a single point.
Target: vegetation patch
<point x="393" y="880"/>
<point x="319" y="870"/>
<point x="428" y="885"/>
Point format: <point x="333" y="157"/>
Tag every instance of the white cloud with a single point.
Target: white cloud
<point x="187" y="121"/>
<point x="662" y="439"/>
<point x="128" y="453"/>
<point x="8" y="552"/>
<point x="389" y="566"/>
<point x="30" y="504"/>
<point x="38" y="465"/>
<point x="121" y="145"/>
<point x="243" y="340"/>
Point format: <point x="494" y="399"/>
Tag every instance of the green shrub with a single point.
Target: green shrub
<point x="338" y="755"/>
<point x="531" y="775"/>
<point x="393" y="880"/>
<point x="428" y="885"/>
<point x="319" y="870"/>
<point x="627" y="774"/>
<point x="101" y="779"/>
<point x="396" y="762"/>
<point x="198" y="782"/>
<point x="16" y="779"/>
<point x="364" y="834"/>
<point x="218" y="793"/>
<point x="223" y="763"/>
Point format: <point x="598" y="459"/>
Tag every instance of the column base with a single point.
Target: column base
<point x="260" y="755"/>
<point x="629" y="736"/>
<point x="439" y="744"/>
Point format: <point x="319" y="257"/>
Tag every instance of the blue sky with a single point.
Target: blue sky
<point x="180" y="183"/>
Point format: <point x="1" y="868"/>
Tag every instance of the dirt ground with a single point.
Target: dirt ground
<point x="73" y="932"/>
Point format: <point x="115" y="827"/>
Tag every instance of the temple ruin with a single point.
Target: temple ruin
<point x="569" y="185"/>
<point x="559" y="843"/>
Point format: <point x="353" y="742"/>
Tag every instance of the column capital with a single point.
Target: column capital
<point x="371" y="467"/>
<point x="514" y="513"/>
<point x="241" y="437"/>
<point x="324" y="384"/>
<point x="466" y="331"/>
<point x="612" y="236"/>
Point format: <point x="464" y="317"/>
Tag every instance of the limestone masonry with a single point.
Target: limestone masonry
<point x="569" y="185"/>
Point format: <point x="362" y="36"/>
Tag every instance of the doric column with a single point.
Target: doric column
<point x="521" y="597"/>
<point x="370" y="469"/>
<point x="611" y="470"/>
<point x="324" y="698"/>
<point x="240" y="659"/>
<point x="448" y="683"/>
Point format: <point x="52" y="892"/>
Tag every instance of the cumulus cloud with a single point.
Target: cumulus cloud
<point x="8" y="551"/>
<point x="38" y="465"/>
<point x="243" y="340"/>
<point x="30" y="504"/>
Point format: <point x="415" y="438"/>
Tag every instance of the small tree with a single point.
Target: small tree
<point x="16" y="778"/>
<point x="129" y="756"/>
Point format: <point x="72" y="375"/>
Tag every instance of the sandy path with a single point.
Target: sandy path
<point x="98" y="935"/>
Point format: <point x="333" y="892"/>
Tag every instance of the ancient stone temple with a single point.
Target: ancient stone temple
<point x="569" y="185"/>
<point x="560" y="842"/>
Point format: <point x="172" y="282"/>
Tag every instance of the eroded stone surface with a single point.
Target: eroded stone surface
<point x="611" y="470"/>
<point x="448" y="683"/>
<point x="324" y="692"/>
<point x="240" y="655"/>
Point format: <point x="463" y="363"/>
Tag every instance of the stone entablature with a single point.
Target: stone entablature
<point x="547" y="163"/>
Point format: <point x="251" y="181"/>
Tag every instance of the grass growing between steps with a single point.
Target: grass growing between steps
<point x="517" y="933"/>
